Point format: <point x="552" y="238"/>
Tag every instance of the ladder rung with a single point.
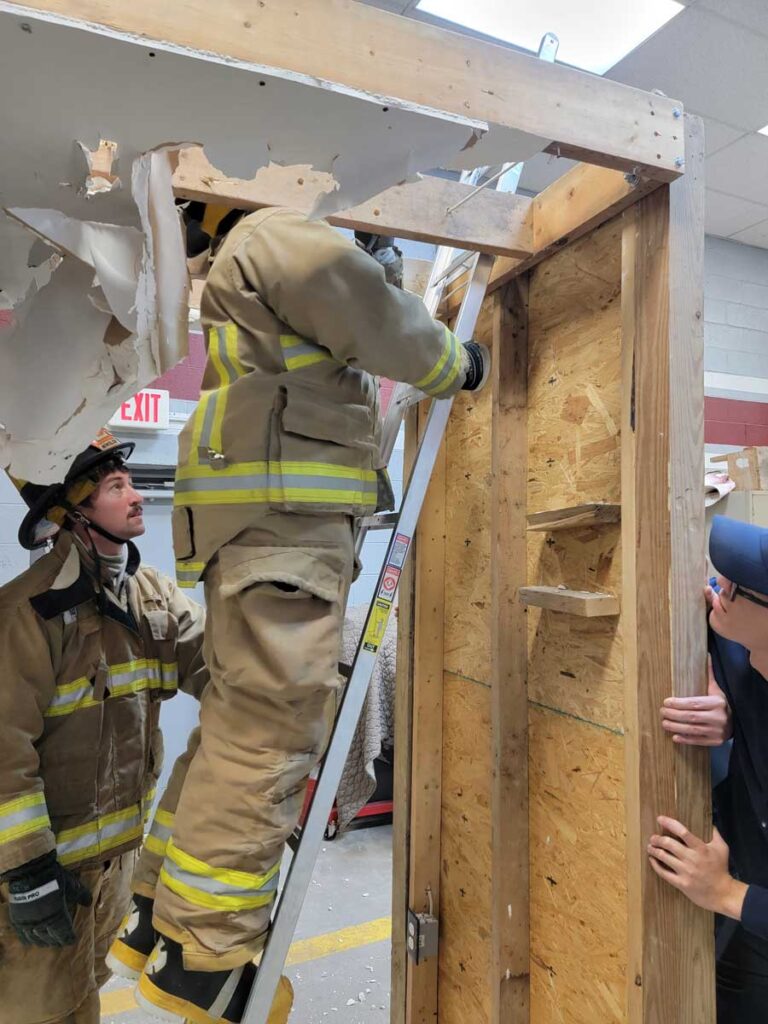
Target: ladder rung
<point x="382" y="521"/>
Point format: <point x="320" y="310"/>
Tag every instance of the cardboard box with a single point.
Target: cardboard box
<point x="747" y="468"/>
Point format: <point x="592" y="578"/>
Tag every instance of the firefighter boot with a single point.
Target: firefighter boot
<point x="135" y="940"/>
<point x="171" y="993"/>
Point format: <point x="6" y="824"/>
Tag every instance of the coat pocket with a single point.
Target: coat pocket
<point x="321" y="456"/>
<point x="160" y="630"/>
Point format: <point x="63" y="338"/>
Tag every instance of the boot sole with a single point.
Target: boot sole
<point x="126" y="962"/>
<point x="165" y="1006"/>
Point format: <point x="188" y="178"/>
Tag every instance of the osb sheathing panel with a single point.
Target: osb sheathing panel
<point x="574" y="400"/>
<point x="578" y="923"/>
<point x="575" y="688"/>
<point x="465" y="878"/>
<point x="578" y="872"/>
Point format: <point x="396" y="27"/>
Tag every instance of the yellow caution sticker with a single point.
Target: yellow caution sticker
<point x="377" y="624"/>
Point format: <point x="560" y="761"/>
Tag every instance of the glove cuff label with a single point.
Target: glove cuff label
<point x="34" y="894"/>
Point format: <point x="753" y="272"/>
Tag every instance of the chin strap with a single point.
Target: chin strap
<point x="78" y="517"/>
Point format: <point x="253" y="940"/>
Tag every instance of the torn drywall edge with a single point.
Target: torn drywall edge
<point x="65" y="340"/>
<point x="166" y="256"/>
<point x="114" y="253"/>
<point x="17" y="278"/>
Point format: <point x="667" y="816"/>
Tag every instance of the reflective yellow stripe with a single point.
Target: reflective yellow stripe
<point x="214" y="353"/>
<point x="277" y="469"/>
<point x="164" y="818"/>
<point x="299" y="352"/>
<point x="197" y="425"/>
<point x="270" y="482"/>
<point x="150" y="674"/>
<point x="214" y="901"/>
<point x="98" y="837"/>
<point x="20" y="802"/>
<point x="243" y="879"/>
<point x="231" y="348"/>
<point x="208" y="419"/>
<point x="262" y="496"/>
<point x="155" y="845"/>
<point x="39" y="824"/>
<point x="444" y="372"/>
<point x="93" y="826"/>
<point x="23" y="815"/>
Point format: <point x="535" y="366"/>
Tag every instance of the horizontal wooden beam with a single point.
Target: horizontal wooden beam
<point x="378" y="55"/>
<point x="583" y="199"/>
<point x="491" y="222"/>
<point x="574" y="602"/>
<point x="593" y="514"/>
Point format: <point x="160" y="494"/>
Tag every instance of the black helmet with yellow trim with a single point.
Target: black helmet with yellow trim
<point x="51" y="505"/>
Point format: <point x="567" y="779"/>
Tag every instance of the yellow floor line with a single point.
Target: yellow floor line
<point x="301" y="952"/>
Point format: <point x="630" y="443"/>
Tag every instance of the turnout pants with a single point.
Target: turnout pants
<point x="273" y="633"/>
<point x="61" y="986"/>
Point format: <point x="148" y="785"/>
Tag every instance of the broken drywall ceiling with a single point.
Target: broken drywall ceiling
<point x="81" y="108"/>
<point x="113" y="314"/>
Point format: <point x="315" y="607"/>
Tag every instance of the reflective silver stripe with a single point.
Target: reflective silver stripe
<point x="169" y="676"/>
<point x="209" y="414"/>
<point x="450" y="369"/>
<point x="97" y="837"/>
<point x="161" y="832"/>
<point x="299" y="352"/>
<point x="79" y="693"/>
<point x="299" y="356"/>
<point x="280" y="481"/>
<point x="23" y="815"/>
<point x="223" y="355"/>
<point x="216" y="886"/>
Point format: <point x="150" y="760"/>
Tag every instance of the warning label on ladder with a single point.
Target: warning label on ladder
<point x="382" y="606"/>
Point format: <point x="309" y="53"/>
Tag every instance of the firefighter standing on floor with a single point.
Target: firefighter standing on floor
<point x="279" y="457"/>
<point x="90" y="643"/>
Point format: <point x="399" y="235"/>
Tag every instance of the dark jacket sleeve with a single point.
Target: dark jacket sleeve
<point x="754" y="914"/>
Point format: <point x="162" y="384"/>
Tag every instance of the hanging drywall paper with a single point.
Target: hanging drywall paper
<point x="111" y="320"/>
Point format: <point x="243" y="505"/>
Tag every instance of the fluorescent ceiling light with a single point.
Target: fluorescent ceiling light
<point x="763" y="130"/>
<point x="594" y="34"/>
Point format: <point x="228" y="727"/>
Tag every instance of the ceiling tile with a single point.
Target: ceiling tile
<point x="752" y="14"/>
<point x="756" y="235"/>
<point x="741" y="169"/>
<point x="725" y="215"/>
<point x="712" y="65"/>
<point x="718" y="135"/>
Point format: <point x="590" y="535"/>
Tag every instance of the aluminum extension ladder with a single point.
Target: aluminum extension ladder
<point x="403" y="525"/>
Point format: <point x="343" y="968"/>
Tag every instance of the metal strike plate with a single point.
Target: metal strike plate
<point x="422" y="936"/>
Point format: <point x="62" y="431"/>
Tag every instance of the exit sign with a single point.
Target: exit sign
<point x="147" y="410"/>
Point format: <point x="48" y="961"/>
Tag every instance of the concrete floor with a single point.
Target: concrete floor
<point x="348" y="906"/>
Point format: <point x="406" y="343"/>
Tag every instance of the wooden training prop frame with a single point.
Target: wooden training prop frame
<point x="531" y="762"/>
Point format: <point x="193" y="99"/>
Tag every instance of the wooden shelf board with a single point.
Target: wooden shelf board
<point x="577" y="515"/>
<point x="574" y="602"/>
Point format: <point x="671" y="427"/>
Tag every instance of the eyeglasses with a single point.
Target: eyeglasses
<point x="750" y="597"/>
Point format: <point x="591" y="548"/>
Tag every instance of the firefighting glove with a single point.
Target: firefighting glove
<point x="38" y="896"/>
<point x="476" y="363"/>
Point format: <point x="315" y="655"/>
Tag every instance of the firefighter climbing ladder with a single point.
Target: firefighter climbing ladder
<point x="403" y="526"/>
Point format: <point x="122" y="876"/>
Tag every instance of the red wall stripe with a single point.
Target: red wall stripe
<point x="730" y="421"/>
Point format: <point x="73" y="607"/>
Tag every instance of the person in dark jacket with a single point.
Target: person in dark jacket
<point x="729" y="875"/>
